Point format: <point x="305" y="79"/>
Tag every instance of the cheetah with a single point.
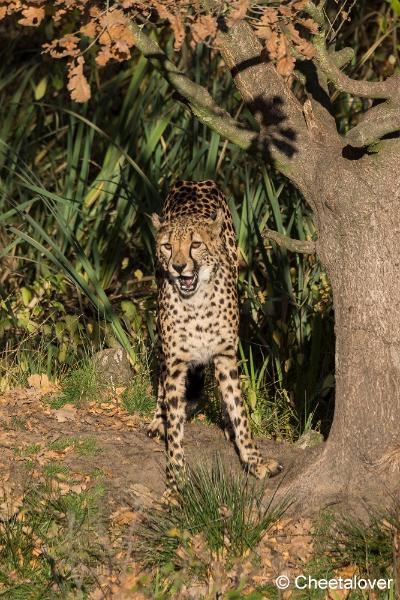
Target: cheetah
<point x="198" y="317"/>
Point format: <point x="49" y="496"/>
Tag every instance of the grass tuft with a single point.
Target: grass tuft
<point x="80" y="386"/>
<point x="221" y="516"/>
<point x="82" y="446"/>
<point x="366" y="544"/>
<point x="138" y="398"/>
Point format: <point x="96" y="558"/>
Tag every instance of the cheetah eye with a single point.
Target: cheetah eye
<point x="196" y="244"/>
<point x="167" y="246"/>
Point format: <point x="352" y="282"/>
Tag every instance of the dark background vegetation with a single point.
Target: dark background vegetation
<point x="77" y="183"/>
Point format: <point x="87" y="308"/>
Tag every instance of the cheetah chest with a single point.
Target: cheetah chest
<point x="201" y="330"/>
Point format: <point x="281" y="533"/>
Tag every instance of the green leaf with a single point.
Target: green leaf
<point x="40" y="89"/>
<point x="395" y="6"/>
<point x="26" y="295"/>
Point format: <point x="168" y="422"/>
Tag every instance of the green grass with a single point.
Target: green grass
<point x="30" y="450"/>
<point x="49" y="547"/>
<point x="82" y="446"/>
<point x="138" y="398"/>
<point x="80" y="386"/>
<point x="62" y="443"/>
<point x="367" y="543"/>
<point x="87" y="447"/>
<point x="220" y="515"/>
<point x="363" y="545"/>
<point x="15" y="424"/>
<point x="52" y="470"/>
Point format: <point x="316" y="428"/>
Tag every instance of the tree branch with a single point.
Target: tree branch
<point x="198" y="98"/>
<point x="388" y="89"/>
<point x="377" y="122"/>
<point x="300" y="246"/>
<point x="286" y="139"/>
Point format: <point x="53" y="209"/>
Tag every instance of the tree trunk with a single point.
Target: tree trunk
<point x="358" y="218"/>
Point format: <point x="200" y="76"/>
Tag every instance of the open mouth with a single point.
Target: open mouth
<point x="187" y="285"/>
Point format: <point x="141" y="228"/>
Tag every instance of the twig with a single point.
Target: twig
<point x="300" y="246"/>
<point x="378" y="121"/>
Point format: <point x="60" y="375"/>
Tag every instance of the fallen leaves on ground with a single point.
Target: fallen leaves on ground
<point x="42" y="383"/>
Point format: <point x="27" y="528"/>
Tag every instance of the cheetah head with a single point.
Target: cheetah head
<point x="188" y="250"/>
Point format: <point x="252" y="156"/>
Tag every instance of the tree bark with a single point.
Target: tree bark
<point x="359" y="241"/>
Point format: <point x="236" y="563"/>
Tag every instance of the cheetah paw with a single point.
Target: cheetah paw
<point x="156" y="429"/>
<point x="269" y="468"/>
<point x="170" y="498"/>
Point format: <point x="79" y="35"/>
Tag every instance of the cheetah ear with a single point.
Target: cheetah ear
<point x="217" y="219"/>
<point x="157" y="221"/>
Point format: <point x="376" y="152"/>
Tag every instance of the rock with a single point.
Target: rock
<point x="309" y="439"/>
<point x="113" y="367"/>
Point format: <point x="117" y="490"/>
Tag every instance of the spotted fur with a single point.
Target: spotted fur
<point x="198" y="317"/>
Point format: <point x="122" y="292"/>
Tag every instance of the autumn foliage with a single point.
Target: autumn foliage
<point x="86" y="30"/>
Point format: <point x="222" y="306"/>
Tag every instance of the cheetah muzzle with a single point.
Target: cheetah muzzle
<point x="187" y="284"/>
<point x="197" y="320"/>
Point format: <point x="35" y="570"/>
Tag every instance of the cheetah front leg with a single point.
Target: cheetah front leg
<point x="175" y="384"/>
<point x="227" y="375"/>
<point x="158" y="425"/>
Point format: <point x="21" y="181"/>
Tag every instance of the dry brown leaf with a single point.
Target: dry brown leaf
<point x="239" y="12"/>
<point x="124" y="516"/>
<point x="42" y="383"/>
<point x="306" y="48"/>
<point x="32" y="16"/>
<point x="65" y="46"/>
<point x="10" y="505"/>
<point x="286" y="11"/>
<point x="103" y="56"/>
<point x="67" y="413"/>
<point x="272" y="45"/>
<point x="178" y="30"/>
<point x="309" y="24"/>
<point x="294" y="34"/>
<point x="78" y="84"/>
<point x="204" y="26"/>
<point x="66" y="488"/>
<point x="300" y="5"/>
<point x="89" y="29"/>
<point x="162" y="10"/>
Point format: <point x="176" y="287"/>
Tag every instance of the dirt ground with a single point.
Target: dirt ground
<point x="103" y="438"/>
<point x="125" y="453"/>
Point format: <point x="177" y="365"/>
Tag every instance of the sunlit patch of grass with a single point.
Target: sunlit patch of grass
<point x="60" y="444"/>
<point x="97" y="473"/>
<point x="346" y="546"/>
<point x="30" y="450"/>
<point x="220" y="515"/>
<point x="138" y="398"/>
<point x="15" y="424"/>
<point x="80" y="386"/>
<point x="87" y="447"/>
<point x="53" y="470"/>
<point x="82" y="446"/>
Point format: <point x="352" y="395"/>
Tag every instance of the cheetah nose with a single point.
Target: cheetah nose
<point x="179" y="267"/>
